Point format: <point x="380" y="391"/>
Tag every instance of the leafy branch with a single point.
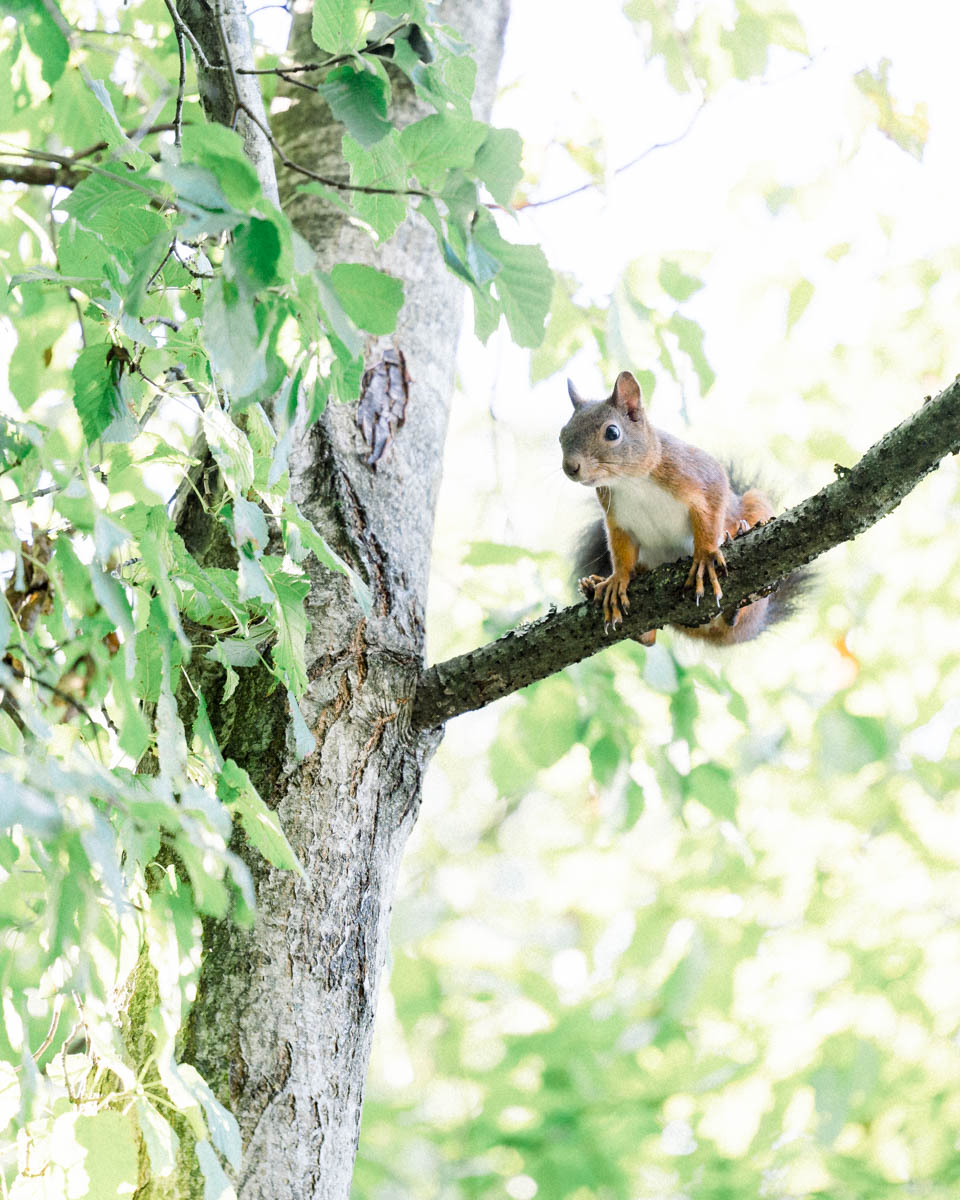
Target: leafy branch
<point x="859" y="497"/>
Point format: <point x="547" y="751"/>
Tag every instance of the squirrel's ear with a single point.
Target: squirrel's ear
<point x="575" y="398"/>
<point x="627" y="396"/>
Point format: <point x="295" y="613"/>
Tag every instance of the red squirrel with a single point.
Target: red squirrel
<point x="662" y="499"/>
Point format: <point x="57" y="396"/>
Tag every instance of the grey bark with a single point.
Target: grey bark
<point x="857" y="499"/>
<point x="221" y="32"/>
<point x="282" y="1024"/>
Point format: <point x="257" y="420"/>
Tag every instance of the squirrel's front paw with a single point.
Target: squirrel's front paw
<point x="706" y="561"/>
<point x="612" y="594"/>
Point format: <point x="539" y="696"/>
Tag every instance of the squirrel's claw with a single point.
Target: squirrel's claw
<point x="706" y="563"/>
<point x="612" y="594"/>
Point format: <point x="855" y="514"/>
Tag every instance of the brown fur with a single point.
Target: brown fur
<point x="688" y="475"/>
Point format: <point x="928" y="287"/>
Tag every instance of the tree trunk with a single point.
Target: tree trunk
<point x="282" y="1023"/>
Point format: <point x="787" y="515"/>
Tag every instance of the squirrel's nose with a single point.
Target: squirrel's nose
<point x="571" y="466"/>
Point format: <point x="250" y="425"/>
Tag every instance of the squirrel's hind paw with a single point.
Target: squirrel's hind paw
<point x="706" y="562"/>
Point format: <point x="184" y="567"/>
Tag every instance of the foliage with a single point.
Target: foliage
<point x="155" y="295"/>
<point x="689" y="932"/>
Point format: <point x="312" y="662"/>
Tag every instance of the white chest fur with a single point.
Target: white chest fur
<point x="657" y="522"/>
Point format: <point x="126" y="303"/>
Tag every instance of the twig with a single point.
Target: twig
<point x="182" y="27"/>
<point x="25" y="497"/>
<point x="314" y="66"/>
<point x="181" y="88"/>
<point x="584" y="187"/>
<point x="52" y="1031"/>
<point x="97" y="147"/>
<point x="325" y="179"/>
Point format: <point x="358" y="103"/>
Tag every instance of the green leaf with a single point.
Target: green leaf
<point x="220" y="150"/>
<point x="216" y="1185"/>
<point x="43" y="34"/>
<point x="435" y="144"/>
<point x="380" y="166"/>
<point x="846" y="743"/>
<point x="252" y="583"/>
<point x="605" y="759"/>
<point x="800" y="296"/>
<point x="747" y="43"/>
<point x="676" y="282"/>
<point x="110" y="1161"/>
<point x="303" y="740"/>
<point x="96" y="395"/>
<point x="524" y="284"/>
<point x="340" y="323"/>
<point x="338" y="25"/>
<point x="634" y="803"/>
<point x="113" y="204"/>
<point x="684" y="707"/>
<point x="232" y="339"/>
<point x="497" y="554"/>
<point x="160" y="1139"/>
<point x="249" y="525"/>
<point x="261" y="825"/>
<point x="256" y="258"/>
<point x="288" y="653"/>
<point x="358" y="98"/>
<point x="908" y="130"/>
<point x="312" y="540"/>
<point x="549" y="720"/>
<point x="498" y="163"/>
<point x="712" y="786"/>
<point x="370" y="297"/>
<point x="690" y="337"/>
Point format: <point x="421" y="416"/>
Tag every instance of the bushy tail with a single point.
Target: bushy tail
<point x="592" y="555"/>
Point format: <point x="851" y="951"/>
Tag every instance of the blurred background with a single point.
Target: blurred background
<point x="674" y="923"/>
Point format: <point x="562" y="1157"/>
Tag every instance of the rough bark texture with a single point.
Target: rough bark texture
<point x="857" y="499"/>
<point x="282" y="1023"/>
<point x="222" y="33"/>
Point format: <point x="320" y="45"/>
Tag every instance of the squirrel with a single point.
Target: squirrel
<point x="662" y="499"/>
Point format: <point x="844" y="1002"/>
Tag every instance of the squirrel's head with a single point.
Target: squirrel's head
<point x="608" y="438"/>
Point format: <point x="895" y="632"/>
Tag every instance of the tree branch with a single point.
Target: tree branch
<point x="41" y="175"/>
<point x="857" y="499"/>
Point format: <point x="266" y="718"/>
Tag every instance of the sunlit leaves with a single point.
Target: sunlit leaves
<point x="232" y="338"/>
<point x="167" y="297"/>
<point x="339" y="24"/>
<point x="909" y="130"/>
<point x="236" y="790"/>
<point x="435" y="144"/>
<point x="800" y="296"/>
<point x="523" y="281"/>
<point x="96" y="394"/>
<point x="220" y="150"/>
<point x="676" y="282"/>
<point x="498" y="163"/>
<point x="378" y="166"/>
<point x="42" y="27"/>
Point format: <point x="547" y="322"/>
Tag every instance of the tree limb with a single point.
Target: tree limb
<point x="842" y="510"/>
<point x="41" y="174"/>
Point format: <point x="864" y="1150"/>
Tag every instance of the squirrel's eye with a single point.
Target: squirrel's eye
<point x="612" y="433"/>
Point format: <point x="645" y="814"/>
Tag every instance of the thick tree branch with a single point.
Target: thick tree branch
<point x="857" y="499"/>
